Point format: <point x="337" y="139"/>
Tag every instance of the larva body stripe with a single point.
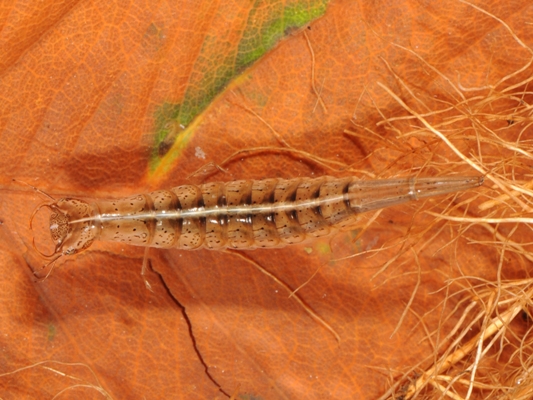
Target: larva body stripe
<point x="242" y="215"/>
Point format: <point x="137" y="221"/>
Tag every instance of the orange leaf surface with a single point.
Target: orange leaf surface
<point x="103" y="100"/>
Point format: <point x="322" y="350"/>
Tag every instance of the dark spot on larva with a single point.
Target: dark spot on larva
<point x="116" y="209"/>
<point x="134" y="229"/>
<point x="118" y="226"/>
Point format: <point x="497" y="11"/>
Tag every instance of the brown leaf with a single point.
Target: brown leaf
<point x="94" y="97"/>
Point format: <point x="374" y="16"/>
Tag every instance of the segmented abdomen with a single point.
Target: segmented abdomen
<point x="249" y="214"/>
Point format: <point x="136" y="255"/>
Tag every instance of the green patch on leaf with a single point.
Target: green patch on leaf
<point x="51" y="332"/>
<point x="323" y="248"/>
<point x="249" y="397"/>
<point x="221" y="60"/>
<point x="356" y="245"/>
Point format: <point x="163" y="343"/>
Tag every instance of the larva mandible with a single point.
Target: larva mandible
<point x="244" y="214"/>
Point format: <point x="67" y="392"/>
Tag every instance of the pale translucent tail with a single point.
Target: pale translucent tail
<point x="372" y="195"/>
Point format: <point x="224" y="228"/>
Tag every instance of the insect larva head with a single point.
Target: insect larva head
<point x="70" y="226"/>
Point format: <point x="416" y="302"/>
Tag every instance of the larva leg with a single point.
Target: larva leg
<point x="144" y="269"/>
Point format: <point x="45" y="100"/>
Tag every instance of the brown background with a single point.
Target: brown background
<point x="80" y="85"/>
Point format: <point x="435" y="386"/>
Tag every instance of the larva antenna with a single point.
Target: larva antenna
<point x="56" y="252"/>
<point x="47" y="256"/>
<point x="36" y="189"/>
<point x="56" y="255"/>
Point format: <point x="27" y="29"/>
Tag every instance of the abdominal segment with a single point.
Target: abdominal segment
<point x="250" y="214"/>
<point x="243" y="214"/>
